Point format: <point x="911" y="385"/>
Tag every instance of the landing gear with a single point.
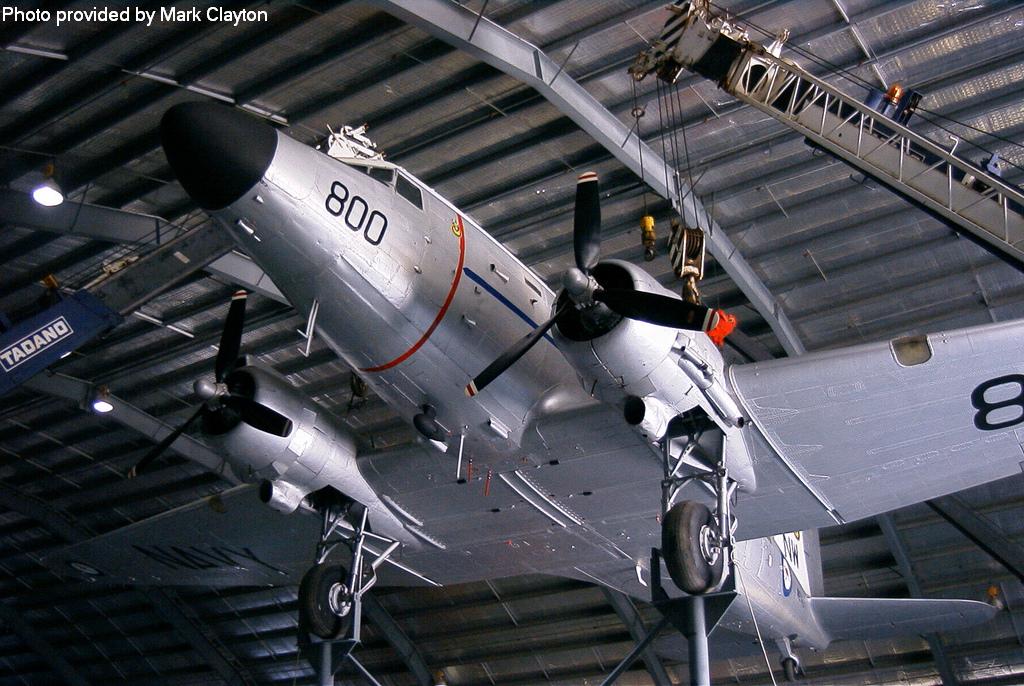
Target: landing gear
<point x="325" y="604"/>
<point x="691" y="546"/>
<point x="790" y="667"/>
<point x="696" y="543"/>
<point x="790" y="660"/>
<point x="330" y="595"/>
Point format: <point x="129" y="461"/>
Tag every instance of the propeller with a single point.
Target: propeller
<point x="654" y="308"/>
<point x="217" y="396"/>
<point x="584" y="290"/>
<point x="230" y="337"/>
<point x="512" y="355"/>
<point x="163" y="445"/>
<point x="586" y="223"/>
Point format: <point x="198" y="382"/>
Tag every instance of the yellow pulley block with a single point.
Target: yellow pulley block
<point x="648" y="236"/>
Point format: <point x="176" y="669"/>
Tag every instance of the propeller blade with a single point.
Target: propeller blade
<point x="231" y="337"/>
<point x="510" y="356"/>
<point x="658" y="309"/>
<point x="586" y="224"/>
<point x="163" y="445"/>
<point x="258" y="416"/>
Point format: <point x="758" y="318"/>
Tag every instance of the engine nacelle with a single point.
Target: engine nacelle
<point x="668" y="371"/>
<point x="630" y="357"/>
<point x="282" y="496"/>
<point x="316" y="453"/>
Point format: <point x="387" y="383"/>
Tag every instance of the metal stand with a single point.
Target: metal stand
<point x="333" y="655"/>
<point x="697" y="641"/>
<point x="694" y="616"/>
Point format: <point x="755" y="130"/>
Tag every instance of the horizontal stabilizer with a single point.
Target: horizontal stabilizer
<point x="864" y="618"/>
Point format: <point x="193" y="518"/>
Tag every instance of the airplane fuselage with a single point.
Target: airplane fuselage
<point x="413" y="295"/>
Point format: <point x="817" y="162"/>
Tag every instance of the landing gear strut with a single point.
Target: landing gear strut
<point x="697" y="548"/>
<point x="330" y="596"/>
<point x="696" y="543"/>
<point x="790" y="660"/>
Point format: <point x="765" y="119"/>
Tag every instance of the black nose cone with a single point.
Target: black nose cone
<point x="216" y="152"/>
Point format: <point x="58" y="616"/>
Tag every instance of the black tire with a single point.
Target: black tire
<point x="680" y="546"/>
<point x="315" y="612"/>
<point x="789" y="667"/>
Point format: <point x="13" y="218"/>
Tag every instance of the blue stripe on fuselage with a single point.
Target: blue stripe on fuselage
<point x="479" y="280"/>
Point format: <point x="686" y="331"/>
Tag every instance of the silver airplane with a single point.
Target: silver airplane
<point x="566" y="433"/>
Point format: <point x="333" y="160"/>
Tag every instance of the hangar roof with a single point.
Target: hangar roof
<point x="846" y="260"/>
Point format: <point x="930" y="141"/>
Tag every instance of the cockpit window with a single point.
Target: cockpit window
<point x="410" y="191"/>
<point x="382" y="174"/>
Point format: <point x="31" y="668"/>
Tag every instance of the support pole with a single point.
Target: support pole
<point x="326" y="666"/>
<point x="697" y="642"/>
<point x="982" y="532"/>
<point x="902" y="557"/>
<point x="627" y="612"/>
<point x="363" y="670"/>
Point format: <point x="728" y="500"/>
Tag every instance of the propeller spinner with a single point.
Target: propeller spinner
<point x="584" y="290"/>
<point x="218" y="395"/>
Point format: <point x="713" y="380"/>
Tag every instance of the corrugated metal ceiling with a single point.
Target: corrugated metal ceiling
<point x="848" y="261"/>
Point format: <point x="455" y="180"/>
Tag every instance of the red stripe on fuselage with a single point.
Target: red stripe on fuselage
<point x="440" y="315"/>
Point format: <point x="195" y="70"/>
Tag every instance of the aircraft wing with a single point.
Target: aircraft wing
<point x="837" y="436"/>
<point x="230" y="539"/>
<point x="864" y="430"/>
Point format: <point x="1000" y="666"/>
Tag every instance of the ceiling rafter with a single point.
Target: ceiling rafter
<point x="816" y="221"/>
<point x="200" y="637"/>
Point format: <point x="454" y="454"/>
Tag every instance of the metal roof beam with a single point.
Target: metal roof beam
<point x="167" y="604"/>
<point x="902" y="555"/>
<point x="201" y="637"/>
<point x="119" y="226"/>
<point x="78" y="391"/>
<point x="399" y="640"/>
<point x="95" y="221"/>
<point x="40" y="646"/>
<point x="103" y="80"/>
<point x="466" y="78"/>
<point x="285" y="19"/>
<point x="511" y="54"/>
<point x="981" y="532"/>
<point x="629" y="615"/>
<point x="515" y="100"/>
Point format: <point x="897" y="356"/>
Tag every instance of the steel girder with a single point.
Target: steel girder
<point x="516" y="57"/>
<point x="899" y="551"/>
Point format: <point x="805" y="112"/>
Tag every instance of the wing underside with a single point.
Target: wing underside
<point x="230" y="539"/>
<point x="837" y="436"/>
<point x="869" y="429"/>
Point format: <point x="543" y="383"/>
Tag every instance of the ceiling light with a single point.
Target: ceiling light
<point x="48" y="193"/>
<point x="101" y="400"/>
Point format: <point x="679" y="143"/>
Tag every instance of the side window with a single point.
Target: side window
<point x="410" y="191"/>
<point x="383" y="175"/>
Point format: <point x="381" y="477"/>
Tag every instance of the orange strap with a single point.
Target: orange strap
<point x="726" y="323"/>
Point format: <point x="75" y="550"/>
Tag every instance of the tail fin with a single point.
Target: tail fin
<point x="863" y="618"/>
<point x="812" y="551"/>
